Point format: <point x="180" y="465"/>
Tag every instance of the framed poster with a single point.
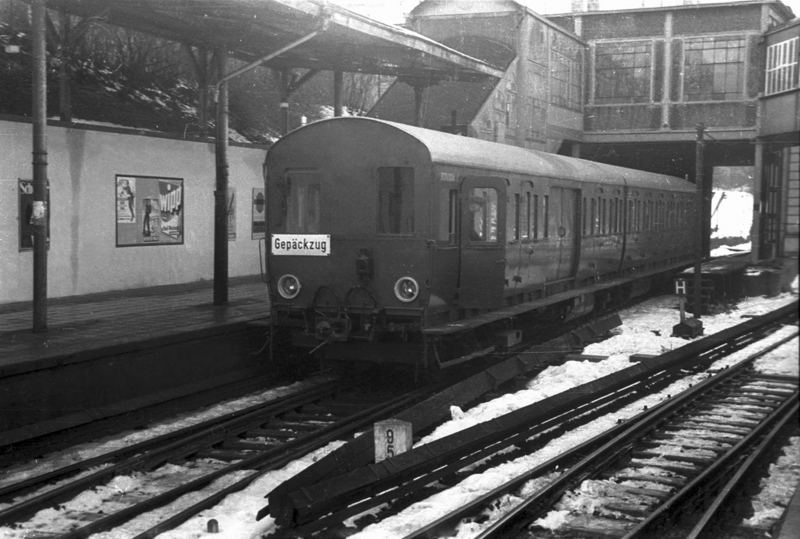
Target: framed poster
<point x="259" y="223"/>
<point x="26" y="214"/>
<point x="149" y="210"/>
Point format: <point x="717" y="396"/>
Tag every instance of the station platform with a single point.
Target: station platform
<point x="103" y="354"/>
<point x="725" y="280"/>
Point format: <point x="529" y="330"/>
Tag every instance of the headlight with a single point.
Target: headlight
<point x="288" y="286"/>
<point x="406" y="289"/>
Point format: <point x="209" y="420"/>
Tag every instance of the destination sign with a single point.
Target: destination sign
<point x="301" y="244"/>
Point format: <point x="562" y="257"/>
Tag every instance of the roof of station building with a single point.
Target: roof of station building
<point x="250" y="30"/>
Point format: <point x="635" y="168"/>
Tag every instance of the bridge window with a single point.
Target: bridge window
<point x="714" y="69"/>
<point x="395" y="200"/>
<point x="623" y="72"/>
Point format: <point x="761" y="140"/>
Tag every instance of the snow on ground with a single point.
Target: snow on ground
<point x="727" y="204"/>
<point x="94" y="448"/>
<point x="646" y="329"/>
<point x="728" y="250"/>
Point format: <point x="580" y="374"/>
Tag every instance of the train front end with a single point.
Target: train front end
<point x="346" y="262"/>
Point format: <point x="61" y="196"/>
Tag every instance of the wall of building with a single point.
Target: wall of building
<point x="537" y="104"/>
<point x="791" y="239"/>
<point x="83" y="256"/>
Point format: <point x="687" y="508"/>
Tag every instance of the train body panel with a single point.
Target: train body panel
<point x="381" y="231"/>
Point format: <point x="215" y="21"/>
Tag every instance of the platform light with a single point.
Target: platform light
<point x="288" y="286"/>
<point x="406" y="289"/>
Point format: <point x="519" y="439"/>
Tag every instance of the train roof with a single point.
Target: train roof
<point x="445" y="148"/>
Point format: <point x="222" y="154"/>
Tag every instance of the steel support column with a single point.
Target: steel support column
<point x="39" y="216"/>
<point x="221" y="191"/>
<point x="338" y="83"/>
<point x="699" y="251"/>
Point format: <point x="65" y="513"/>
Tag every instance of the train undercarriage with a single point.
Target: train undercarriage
<point x="363" y="333"/>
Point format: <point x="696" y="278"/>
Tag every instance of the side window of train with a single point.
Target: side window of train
<point x="514" y="218"/>
<point x="395" y="200"/>
<point x="448" y="214"/>
<point x="483" y="214"/>
<point x="302" y="207"/>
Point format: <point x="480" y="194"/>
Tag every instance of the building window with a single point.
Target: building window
<point x="782" y="59"/>
<point x="565" y="79"/>
<point x="714" y="69"/>
<point x="623" y="72"/>
<point x="395" y="200"/>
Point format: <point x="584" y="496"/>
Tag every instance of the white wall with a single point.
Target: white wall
<point x="83" y="257"/>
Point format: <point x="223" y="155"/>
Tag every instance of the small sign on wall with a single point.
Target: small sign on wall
<point x="149" y="210"/>
<point x="259" y="225"/>
<point x="392" y="437"/>
<point x="28" y="212"/>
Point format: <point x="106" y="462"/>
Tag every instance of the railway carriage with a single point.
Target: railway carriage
<point x="396" y="243"/>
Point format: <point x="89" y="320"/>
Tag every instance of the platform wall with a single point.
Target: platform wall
<point x="83" y="256"/>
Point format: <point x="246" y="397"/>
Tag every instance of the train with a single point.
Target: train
<point x="394" y="243"/>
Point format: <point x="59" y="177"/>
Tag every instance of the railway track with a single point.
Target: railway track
<point x="243" y="444"/>
<point x="645" y="479"/>
<point x="381" y="490"/>
<point x="640" y="478"/>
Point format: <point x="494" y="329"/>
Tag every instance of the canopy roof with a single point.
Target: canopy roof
<point x="252" y="29"/>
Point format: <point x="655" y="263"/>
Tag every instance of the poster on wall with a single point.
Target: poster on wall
<point x="259" y="228"/>
<point x="149" y="210"/>
<point x="231" y="212"/>
<point x="26" y="214"/>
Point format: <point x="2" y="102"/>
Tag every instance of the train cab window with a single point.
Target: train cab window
<point x="302" y="205"/>
<point x="395" y="200"/>
<point x="483" y="214"/>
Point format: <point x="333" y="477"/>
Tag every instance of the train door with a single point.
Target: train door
<point x="482" y="242"/>
<point x="562" y="220"/>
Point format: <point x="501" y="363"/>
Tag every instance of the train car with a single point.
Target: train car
<point x="390" y="242"/>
